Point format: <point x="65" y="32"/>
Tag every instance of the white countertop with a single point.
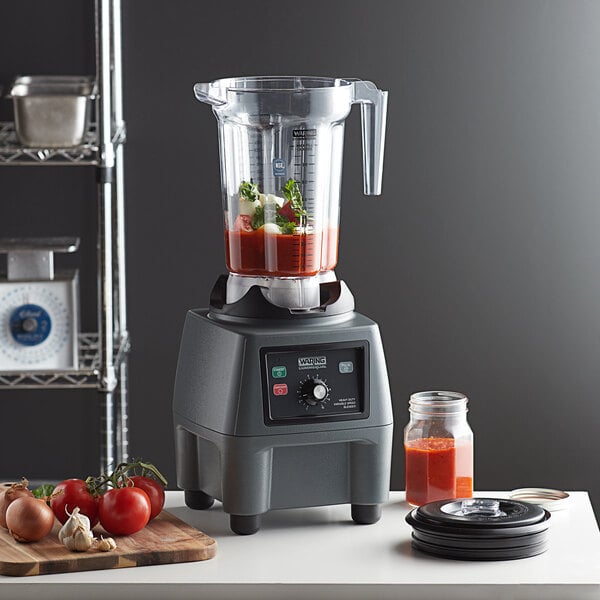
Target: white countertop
<point x="319" y="553"/>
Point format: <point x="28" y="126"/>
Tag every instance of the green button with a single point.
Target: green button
<point x="279" y="372"/>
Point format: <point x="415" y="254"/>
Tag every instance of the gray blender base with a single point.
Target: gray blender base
<point x="239" y="441"/>
<point x="254" y="475"/>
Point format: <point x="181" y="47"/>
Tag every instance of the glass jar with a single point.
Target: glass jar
<point x="438" y="448"/>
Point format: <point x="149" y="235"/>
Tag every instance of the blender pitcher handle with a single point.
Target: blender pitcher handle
<point x="373" y="110"/>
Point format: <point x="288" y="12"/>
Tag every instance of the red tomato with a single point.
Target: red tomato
<point x="288" y="212"/>
<point x="74" y="493"/>
<point x="243" y="223"/>
<point x="124" y="511"/>
<point x="155" y="492"/>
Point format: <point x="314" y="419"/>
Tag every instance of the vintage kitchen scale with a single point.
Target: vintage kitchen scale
<point x="281" y="395"/>
<point x="39" y="307"/>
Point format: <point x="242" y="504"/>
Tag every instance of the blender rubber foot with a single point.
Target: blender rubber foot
<point x="198" y="500"/>
<point x="366" y="514"/>
<point x="244" y="524"/>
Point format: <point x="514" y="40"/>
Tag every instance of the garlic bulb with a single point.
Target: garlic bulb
<point x="75" y="520"/>
<point x="80" y="541"/>
<point x="75" y="534"/>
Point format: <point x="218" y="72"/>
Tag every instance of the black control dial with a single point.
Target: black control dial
<point x="313" y="391"/>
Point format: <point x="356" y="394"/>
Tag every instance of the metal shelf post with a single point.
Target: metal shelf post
<point x="103" y="356"/>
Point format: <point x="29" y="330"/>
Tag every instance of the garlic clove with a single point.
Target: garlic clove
<point x="106" y="544"/>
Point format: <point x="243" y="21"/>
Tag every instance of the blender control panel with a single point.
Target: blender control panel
<point x="307" y="383"/>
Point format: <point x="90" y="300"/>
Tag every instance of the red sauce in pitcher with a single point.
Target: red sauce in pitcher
<point x="280" y="255"/>
<point x="437" y="469"/>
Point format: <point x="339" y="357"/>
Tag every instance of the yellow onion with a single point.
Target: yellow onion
<point x="29" y="519"/>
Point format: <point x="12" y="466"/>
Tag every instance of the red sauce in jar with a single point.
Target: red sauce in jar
<point x="437" y="469"/>
<point x="280" y="255"/>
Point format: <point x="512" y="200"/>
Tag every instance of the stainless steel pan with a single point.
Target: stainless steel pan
<point x="52" y="111"/>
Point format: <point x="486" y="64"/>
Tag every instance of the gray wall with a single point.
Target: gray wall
<point x="480" y="261"/>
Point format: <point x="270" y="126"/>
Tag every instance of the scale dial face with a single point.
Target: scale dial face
<point x="36" y="325"/>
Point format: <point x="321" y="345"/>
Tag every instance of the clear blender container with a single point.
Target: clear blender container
<point x="281" y="146"/>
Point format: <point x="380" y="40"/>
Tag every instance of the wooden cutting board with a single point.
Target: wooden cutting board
<point x="164" y="540"/>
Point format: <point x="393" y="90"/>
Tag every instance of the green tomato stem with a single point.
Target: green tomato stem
<point x="120" y="476"/>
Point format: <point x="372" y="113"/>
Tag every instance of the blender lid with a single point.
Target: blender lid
<point x="474" y="533"/>
<point x="480" y="513"/>
<point x="458" y="553"/>
<point x="481" y="543"/>
<point x="480" y="529"/>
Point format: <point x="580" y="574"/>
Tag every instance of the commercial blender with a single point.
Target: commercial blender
<point x="281" y="394"/>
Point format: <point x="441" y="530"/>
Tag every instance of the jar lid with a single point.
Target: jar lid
<point x="480" y="528"/>
<point x="547" y="498"/>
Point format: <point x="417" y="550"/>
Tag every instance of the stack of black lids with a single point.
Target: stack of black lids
<point x="480" y="529"/>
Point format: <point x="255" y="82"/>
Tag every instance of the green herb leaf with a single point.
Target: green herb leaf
<point x="43" y="491"/>
<point x="291" y="192"/>
<point x="249" y="191"/>
<point x="258" y="218"/>
<point x="285" y="224"/>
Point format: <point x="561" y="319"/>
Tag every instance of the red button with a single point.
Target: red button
<point x="280" y="389"/>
